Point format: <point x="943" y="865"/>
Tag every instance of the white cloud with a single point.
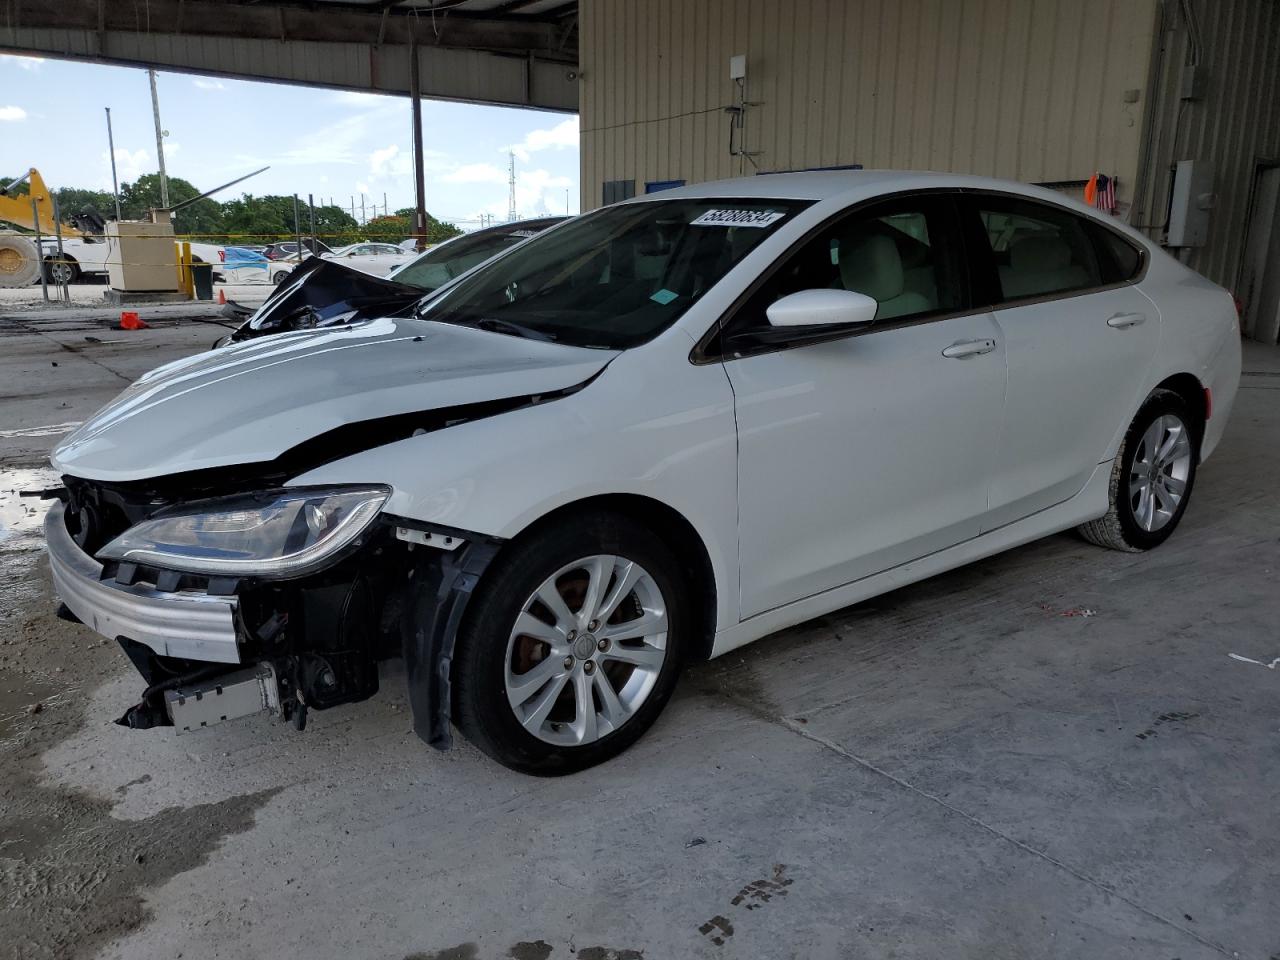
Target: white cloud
<point x="23" y="63"/>
<point x="352" y="98"/>
<point x="538" y="193"/>
<point x="343" y="141"/>
<point x="129" y="165"/>
<point x="559" y="137"/>
<point x="362" y="188"/>
<point x="389" y="161"/>
<point x="206" y="84"/>
<point x="12" y="113"/>
<point x="476" y="173"/>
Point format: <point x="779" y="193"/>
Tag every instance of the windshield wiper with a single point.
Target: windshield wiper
<point x="492" y="324"/>
<point x="514" y="329"/>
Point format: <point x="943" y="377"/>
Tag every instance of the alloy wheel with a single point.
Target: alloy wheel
<point x="586" y="650"/>
<point x="1158" y="475"/>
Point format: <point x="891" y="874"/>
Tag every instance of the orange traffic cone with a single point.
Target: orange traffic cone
<point x="222" y="296"/>
<point x="129" y="320"/>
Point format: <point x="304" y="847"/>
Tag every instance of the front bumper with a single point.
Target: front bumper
<point x="187" y="625"/>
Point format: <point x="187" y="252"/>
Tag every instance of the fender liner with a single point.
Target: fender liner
<point x="438" y="593"/>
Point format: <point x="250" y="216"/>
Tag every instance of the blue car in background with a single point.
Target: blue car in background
<point x="242" y="265"/>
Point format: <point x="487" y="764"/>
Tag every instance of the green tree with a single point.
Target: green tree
<point x="438" y="231"/>
<point x="203" y="218"/>
<point x="251" y="219"/>
<point x="73" y="200"/>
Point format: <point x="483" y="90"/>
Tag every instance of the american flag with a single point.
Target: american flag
<point x="1105" y="196"/>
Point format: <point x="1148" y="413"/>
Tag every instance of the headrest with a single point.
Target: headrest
<point x="1039" y="254"/>
<point x="870" y="264"/>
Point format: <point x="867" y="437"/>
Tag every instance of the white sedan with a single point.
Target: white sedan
<point x="376" y="258"/>
<point x="658" y="432"/>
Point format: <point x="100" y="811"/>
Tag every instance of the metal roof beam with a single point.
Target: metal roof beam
<point x="343" y="24"/>
<point x="462" y="57"/>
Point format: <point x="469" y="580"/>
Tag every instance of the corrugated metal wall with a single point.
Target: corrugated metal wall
<point x="1027" y="89"/>
<point x="1234" y="125"/>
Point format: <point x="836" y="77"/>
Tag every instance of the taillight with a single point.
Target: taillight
<point x="222" y="255"/>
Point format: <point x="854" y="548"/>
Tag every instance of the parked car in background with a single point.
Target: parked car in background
<point x="245" y="265"/>
<point x="435" y="267"/>
<point x="664" y="430"/>
<point x="289" y="248"/>
<point x="87" y="258"/>
<point x="376" y="258"/>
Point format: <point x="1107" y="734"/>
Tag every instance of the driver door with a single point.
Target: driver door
<point x="868" y="451"/>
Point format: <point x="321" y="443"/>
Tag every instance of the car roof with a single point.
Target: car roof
<point x="831" y="184"/>
<point x="851" y="186"/>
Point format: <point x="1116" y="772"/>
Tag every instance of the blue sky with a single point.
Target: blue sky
<point x="325" y="142"/>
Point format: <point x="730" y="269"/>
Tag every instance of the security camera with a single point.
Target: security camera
<point x="571" y="75"/>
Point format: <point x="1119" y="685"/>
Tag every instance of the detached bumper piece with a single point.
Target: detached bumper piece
<point x="230" y="696"/>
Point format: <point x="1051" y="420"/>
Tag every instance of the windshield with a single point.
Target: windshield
<point x="617" y="277"/>
<point x="438" y="266"/>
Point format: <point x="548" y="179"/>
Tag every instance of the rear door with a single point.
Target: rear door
<point x="864" y="452"/>
<point x="1079" y="338"/>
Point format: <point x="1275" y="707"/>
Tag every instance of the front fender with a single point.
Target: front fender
<point x="668" y="436"/>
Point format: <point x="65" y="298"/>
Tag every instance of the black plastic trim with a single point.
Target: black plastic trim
<point x="438" y="594"/>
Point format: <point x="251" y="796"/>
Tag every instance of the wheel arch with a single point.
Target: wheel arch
<point x="1192" y="391"/>
<point x="675" y="530"/>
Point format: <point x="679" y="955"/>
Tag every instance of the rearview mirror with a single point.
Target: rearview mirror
<point x="822" y="308"/>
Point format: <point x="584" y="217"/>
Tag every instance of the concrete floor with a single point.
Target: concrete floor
<point x="1052" y="753"/>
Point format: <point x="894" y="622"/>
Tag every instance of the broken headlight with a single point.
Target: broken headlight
<point x="284" y="533"/>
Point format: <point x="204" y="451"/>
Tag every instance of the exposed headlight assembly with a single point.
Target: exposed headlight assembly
<point x="278" y="534"/>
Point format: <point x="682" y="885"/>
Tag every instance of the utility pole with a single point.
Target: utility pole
<point x="511" y="181"/>
<point x="566" y="201"/>
<point x="111" y="147"/>
<point x="362" y="216"/>
<point x="155" y="112"/>
<point x="419" y="176"/>
<point x="385" y="211"/>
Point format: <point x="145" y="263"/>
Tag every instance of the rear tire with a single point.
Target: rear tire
<point x="578" y="686"/>
<point x="1153" y="476"/>
<point x="61" y="270"/>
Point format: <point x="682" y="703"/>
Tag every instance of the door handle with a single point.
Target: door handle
<point x="968" y="348"/>
<point x="1122" y="320"/>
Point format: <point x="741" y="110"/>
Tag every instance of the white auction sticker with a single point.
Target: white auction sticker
<point x="737" y="218"/>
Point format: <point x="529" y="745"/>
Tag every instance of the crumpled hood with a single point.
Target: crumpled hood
<point x="250" y="402"/>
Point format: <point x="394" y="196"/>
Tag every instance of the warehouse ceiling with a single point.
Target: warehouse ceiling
<point x="510" y="52"/>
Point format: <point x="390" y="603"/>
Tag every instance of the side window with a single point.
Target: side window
<point x="1119" y="258"/>
<point x="1038" y="250"/>
<point x="904" y="254"/>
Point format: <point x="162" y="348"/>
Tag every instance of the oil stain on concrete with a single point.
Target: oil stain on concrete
<point x="72" y="876"/>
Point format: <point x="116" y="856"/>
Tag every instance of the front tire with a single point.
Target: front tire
<point x="1151" y="482"/>
<point x="573" y="647"/>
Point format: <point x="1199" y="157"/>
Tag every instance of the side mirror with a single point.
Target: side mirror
<point x="822" y="308"/>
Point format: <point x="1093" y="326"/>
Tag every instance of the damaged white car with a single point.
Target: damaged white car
<point x="649" y="436"/>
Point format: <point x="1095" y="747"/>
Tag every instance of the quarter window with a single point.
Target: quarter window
<point x="1120" y="259"/>
<point x="1038" y="250"/>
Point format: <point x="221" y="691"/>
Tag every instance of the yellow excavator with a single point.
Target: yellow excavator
<point x="20" y="261"/>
